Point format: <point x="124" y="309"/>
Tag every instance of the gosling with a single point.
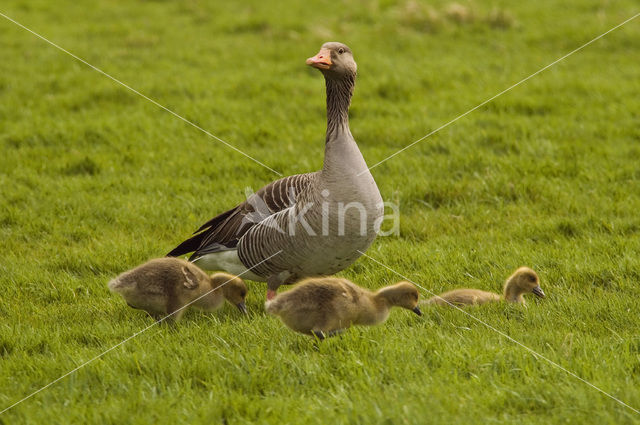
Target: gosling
<point x="168" y="286"/>
<point x="327" y="306"/>
<point x="522" y="281"/>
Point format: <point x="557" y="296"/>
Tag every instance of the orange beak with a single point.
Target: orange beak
<point x="322" y="60"/>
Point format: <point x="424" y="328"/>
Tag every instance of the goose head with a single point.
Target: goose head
<point x="402" y="294"/>
<point x="234" y="291"/>
<point x="523" y="281"/>
<point x="335" y="60"/>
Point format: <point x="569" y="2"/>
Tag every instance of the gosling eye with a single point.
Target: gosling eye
<point x="341" y="50"/>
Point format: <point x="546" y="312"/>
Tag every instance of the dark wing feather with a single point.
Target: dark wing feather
<point x="187" y="246"/>
<point x="224" y="230"/>
<point x="194" y="242"/>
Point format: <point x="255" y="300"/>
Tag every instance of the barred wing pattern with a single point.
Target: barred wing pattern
<point x="225" y="230"/>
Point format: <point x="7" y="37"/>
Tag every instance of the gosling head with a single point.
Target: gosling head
<point x="522" y="281"/>
<point x="403" y="294"/>
<point x="335" y="60"/>
<point x="233" y="288"/>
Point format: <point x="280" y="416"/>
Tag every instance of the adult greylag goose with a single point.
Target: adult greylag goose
<point x="327" y="306"/>
<point x="522" y="281"/>
<point x="303" y="225"/>
<point x="164" y="286"/>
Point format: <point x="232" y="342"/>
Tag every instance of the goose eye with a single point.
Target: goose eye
<point x="341" y="50"/>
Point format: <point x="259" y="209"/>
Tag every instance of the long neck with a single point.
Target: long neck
<point x="339" y="92"/>
<point x="341" y="154"/>
<point x="513" y="294"/>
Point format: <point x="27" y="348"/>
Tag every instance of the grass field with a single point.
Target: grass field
<point x="95" y="180"/>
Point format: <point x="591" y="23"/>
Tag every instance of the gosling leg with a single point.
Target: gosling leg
<point x="321" y="335"/>
<point x="318" y="334"/>
<point x="335" y="332"/>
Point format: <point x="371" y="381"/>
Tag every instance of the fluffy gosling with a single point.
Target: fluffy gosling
<point x="164" y="285"/>
<point x="522" y="281"/>
<point x="327" y="306"/>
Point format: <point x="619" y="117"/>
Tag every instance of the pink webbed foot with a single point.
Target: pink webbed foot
<point x="271" y="294"/>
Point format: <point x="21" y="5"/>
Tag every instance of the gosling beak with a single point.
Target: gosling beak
<point x="537" y="291"/>
<point x="417" y="311"/>
<point x="242" y="307"/>
<point x="322" y="60"/>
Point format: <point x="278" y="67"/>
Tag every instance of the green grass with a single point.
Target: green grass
<point x="95" y="180"/>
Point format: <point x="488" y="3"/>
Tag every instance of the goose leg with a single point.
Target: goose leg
<point x="273" y="282"/>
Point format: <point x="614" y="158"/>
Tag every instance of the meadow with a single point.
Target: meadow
<point x="95" y="180"/>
